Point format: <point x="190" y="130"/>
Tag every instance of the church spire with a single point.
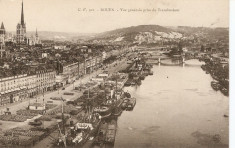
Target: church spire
<point x="2" y="26"/>
<point x="36" y="32"/>
<point x="22" y="14"/>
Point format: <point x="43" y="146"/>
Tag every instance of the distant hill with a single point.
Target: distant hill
<point x="149" y="34"/>
<point x="137" y="34"/>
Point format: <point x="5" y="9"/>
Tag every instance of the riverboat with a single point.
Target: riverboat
<point x="224" y="91"/>
<point x="125" y="103"/>
<point x="131" y="104"/>
<point x="133" y="83"/>
<point x="36" y="122"/>
<point x="111" y="132"/>
<point x="100" y="139"/>
<point x="104" y="111"/>
<point x="78" y="134"/>
<point x="215" y="85"/>
<point x="138" y="82"/>
<point x="142" y="77"/>
<point x="118" y="108"/>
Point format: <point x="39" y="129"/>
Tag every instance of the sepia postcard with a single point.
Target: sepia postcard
<point x="114" y="73"/>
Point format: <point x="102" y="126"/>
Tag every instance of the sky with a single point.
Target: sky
<point x="63" y="15"/>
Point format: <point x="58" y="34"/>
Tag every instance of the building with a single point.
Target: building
<point x="2" y="34"/>
<point x="2" y="51"/>
<point x="34" y="40"/>
<point x="59" y="47"/>
<point x="31" y="85"/>
<point x="69" y="71"/>
<point x="13" y="89"/>
<point x="45" y="80"/>
<point x="21" y="29"/>
<point x="19" y="87"/>
<point x="81" y="69"/>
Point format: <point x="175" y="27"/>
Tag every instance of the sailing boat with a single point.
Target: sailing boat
<point x="118" y="101"/>
<point x="88" y="127"/>
<point x="62" y="135"/>
<point x="105" y="110"/>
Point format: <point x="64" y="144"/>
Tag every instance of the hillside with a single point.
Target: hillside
<point x="151" y="34"/>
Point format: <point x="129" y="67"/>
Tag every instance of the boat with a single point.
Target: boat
<point x="36" y="122"/>
<point x="126" y="94"/>
<point x="133" y="83"/>
<point x="125" y="103"/>
<point x="77" y="110"/>
<point x="78" y="134"/>
<point x="142" y="77"/>
<point x="215" y="85"/>
<point x="138" y="82"/>
<point x="111" y="132"/>
<point x="100" y="139"/>
<point x="127" y="84"/>
<point x="131" y="104"/>
<point x="118" y="107"/>
<point x="104" y="111"/>
<point x="224" y="91"/>
<point x="203" y="67"/>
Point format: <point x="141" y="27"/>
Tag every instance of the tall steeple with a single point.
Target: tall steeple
<point x="22" y="14"/>
<point x="36" y="32"/>
<point x="2" y="26"/>
<point x="21" y="28"/>
<point x="2" y="29"/>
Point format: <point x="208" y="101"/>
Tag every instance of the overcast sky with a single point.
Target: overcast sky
<point x="63" y="15"/>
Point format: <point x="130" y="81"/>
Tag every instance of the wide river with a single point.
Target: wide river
<point x="176" y="108"/>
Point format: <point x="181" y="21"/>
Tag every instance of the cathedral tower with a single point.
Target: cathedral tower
<point x="21" y="28"/>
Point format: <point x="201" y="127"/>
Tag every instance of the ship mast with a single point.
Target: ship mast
<point x="116" y="87"/>
<point x="63" y="116"/>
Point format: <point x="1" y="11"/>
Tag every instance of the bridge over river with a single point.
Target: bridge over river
<point x="165" y="60"/>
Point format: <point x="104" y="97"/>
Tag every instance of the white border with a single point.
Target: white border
<point x="232" y="75"/>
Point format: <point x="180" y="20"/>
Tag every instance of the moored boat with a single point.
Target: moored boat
<point x="82" y="131"/>
<point x="125" y="103"/>
<point x="111" y="132"/>
<point x="131" y="104"/>
<point x="215" y="85"/>
<point x="142" y="77"/>
<point x="224" y="91"/>
<point x="104" y="111"/>
<point x="138" y="82"/>
<point x="100" y="139"/>
<point x="117" y="108"/>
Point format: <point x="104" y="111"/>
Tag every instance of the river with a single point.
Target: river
<point x="176" y="108"/>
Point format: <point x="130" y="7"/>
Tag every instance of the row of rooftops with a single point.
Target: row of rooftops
<point x="28" y="70"/>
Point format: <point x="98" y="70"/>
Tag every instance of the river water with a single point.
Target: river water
<point x="176" y="108"/>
